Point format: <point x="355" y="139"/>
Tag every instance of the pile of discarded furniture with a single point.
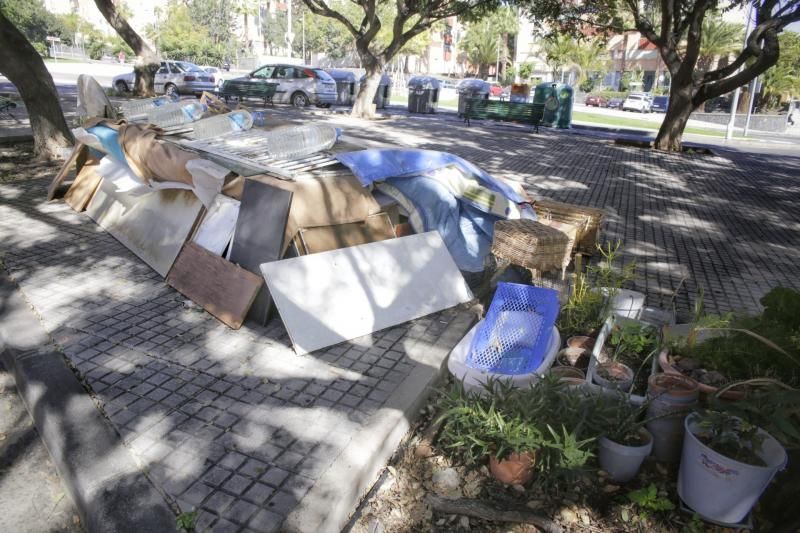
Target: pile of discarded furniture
<point x="340" y="241"/>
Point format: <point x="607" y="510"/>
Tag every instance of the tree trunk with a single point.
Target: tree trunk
<point x="147" y="62"/>
<point x="23" y="66"/>
<point x="363" y="107"/>
<point x="680" y="107"/>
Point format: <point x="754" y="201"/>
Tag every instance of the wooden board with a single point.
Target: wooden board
<point x="62" y="174"/>
<point x="325" y="238"/>
<point x="258" y="237"/>
<point x="83" y="188"/>
<point x="220" y="287"/>
<point x="331" y="297"/>
<point x="153" y="226"/>
<point x="216" y="229"/>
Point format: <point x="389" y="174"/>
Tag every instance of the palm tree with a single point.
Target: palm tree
<point x="719" y="40"/>
<point x="483" y="37"/>
<point x="588" y="57"/>
<point x="559" y="52"/>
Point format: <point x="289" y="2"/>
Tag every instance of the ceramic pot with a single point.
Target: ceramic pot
<point x="516" y="469"/>
<point x="708" y="390"/>
<point x="614" y="375"/>
<point x="621" y="461"/>
<point x="568" y="372"/>
<point x="670" y="398"/>
<point x="577" y="357"/>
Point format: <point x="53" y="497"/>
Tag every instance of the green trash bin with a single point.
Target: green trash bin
<point x="556" y="99"/>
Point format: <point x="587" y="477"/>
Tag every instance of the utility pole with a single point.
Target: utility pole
<point x="303" y="25"/>
<point x="735" y="100"/>
<point x="497" y="64"/>
<point x="753" y="89"/>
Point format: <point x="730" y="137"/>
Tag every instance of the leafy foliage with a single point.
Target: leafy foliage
<point x="584" y="311"/>
<point x="186" y="520"/>
<point x="483" y="37"/>
<point x="783" y="79"/>
<point x="648" y="498"/>
<point x="730" y="436"/>
<point x="545" y="417"/>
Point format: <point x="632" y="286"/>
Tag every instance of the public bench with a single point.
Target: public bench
<point x="248" y="89"/>
<point x="480" y="108"/>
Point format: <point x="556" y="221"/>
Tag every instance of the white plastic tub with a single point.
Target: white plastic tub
<point x="475" y="378"/>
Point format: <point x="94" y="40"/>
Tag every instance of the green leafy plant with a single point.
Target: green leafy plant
<point x="606" y="273"/>
<point x="632" y="341"/>
<point x="507" y="420"/>
<point x="618" y="419"/>
<point x="584" y="311"/>
<point x="648" y="499"/>
<point x="730" y="436"/>
<point x="186" y="520"/>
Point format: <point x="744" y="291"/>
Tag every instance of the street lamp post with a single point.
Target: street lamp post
<point x="735" y="101"/>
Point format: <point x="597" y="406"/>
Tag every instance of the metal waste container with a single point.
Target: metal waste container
<point x="471" y="88"/>
<point x="556" y="100"/>
<point x="345" y="86"/>
<point x="384" y="92"/>
<point x="423" y="94"/>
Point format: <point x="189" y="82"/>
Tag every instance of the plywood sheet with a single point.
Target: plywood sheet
<point x="62" y="174"/>
<point x="258" y="237"/>
<point x="325" y="238"/>
<point x="220" y="287"/>
<point x="83" y="187"/>
<point x="153" y="226"/>
<point x="331" y="297"/>
<point x="216" y="229"/>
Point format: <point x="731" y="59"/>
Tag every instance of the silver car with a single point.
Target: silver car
<point x="298" y="85"/>
<point x="173" y="77"/>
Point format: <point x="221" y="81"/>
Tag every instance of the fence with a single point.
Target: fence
<point x="60" y="51"/>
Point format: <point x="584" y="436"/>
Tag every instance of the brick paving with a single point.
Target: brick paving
<point x="729" y="224"/>
<point x="232" y="423"/>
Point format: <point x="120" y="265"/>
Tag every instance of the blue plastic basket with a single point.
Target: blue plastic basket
<point x="513" y="337"/>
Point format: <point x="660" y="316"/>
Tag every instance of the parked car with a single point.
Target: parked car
<point x="297" y="84"/>
<point x="615" y="103"/>
<point x="596" y="101"/>
<point x="219" y="75"/>
<point x="173" y="77"/>
<point x="636" y="102"/>
<point x="719" y="104"/>
<point x="495" y="89"/>
<point x="660" y="104"/>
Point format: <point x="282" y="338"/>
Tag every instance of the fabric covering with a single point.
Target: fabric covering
<point x="323" y="202"/>
<point x="443" y="192"/>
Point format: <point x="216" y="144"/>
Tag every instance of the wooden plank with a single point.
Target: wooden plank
<point x="83" y="188"/>
<point x="325" y="238"/>
<point x="218" y="286"/>
<point x="331" y="297"/>
<point x="153" y="226"/>
<point x="62" y="174"/>
<point x="258" y="237"/>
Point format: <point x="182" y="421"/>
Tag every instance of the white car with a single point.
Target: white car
<point x="219" y="75"/>
<point x="636" y="102"/>
<point x="173" y="77"/>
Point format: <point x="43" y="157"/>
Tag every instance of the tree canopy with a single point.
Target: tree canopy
<point x="483" y="37"/>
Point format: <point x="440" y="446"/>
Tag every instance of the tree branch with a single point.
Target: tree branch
<point x="318" y="7"/>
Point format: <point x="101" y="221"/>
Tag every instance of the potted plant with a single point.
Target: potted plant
<point x="632" y="344"/>
<point x="584" y="312"/>
<point x="726" y="464"/>
<point x="609" y="280"/>
<point x="625" y="442"/>
<point x="670" y="398"/>
<point x="518" y="430"/>
<point x="716" y="350"/>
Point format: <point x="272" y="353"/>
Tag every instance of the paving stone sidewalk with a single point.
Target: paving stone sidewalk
<point x="231" y="423"/>
<point x="726" y="224"/>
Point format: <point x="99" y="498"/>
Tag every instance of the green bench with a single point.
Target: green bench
<point x="6" y="105"/>
<point x="248" y="89"/>
<point x="506" y="111"/>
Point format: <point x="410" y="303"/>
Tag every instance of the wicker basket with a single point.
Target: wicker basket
<point x="586" y="219"/>
<point x="530" y="244"/>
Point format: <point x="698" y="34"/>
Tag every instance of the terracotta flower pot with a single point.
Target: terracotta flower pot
<point x="614" y="375"/>
<point x="576" y="357"/>
<point x="708" y="390"/>
<point x="516" y="469"/>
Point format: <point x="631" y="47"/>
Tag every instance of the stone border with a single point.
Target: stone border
<point x="109" y="489"/>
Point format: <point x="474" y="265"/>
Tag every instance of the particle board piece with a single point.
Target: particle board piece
<point x="153" y="226"/>
<point x="62" y="174"/>
<point x="220" y="287"/>
<point x="325" y="238"/>
<point x="83" y="187"/>
<point x="331" y="297"/>
<point x="258" y="237"/>
<point x="216" y="229"/>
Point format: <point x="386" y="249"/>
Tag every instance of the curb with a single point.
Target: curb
<point x="329" y="505"/>
<point x="107" y="486"/>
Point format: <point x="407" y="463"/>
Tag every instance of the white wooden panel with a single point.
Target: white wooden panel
<point x="216" y="229"/>
<point x="154" y="226"/>
<point x="331" y="297"/>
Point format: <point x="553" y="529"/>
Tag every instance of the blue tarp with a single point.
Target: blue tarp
<point x="378" y="165"/>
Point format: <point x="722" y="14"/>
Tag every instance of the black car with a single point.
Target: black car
<point x="615" y="103"/>
<point x="660" y="104"/>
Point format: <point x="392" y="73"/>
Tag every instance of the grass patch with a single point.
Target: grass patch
<point x="639" y="123"/>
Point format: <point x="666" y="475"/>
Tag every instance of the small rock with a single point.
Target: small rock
<point x="608" y="489"/>
<point x="464" y="522"/>
<point x="447" y="482"/>
<point x="423" y="450"/>
<point x="585" y="519"/>
<point x="440" y="522"/>
<point x="518" y="488"/>
<point x="568" y="516"/>
<point x="662" y="469"/>
<point x="534" y="504"/>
